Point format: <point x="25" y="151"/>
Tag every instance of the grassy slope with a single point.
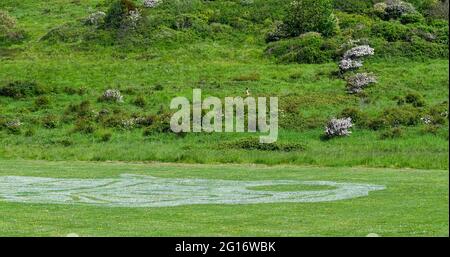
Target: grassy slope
<point x="212" y="66"/>
<point x="415" y="203"/>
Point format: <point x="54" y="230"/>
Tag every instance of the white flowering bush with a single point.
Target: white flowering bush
<point x="393" y="9"/>
<point x="151" y="3"/>
<point x="95" y="18"/>
<point x="359" y="81"/>
<point x="112" y="95"/>
<point x="338" y="127"/>
<point x="352" y="57"/>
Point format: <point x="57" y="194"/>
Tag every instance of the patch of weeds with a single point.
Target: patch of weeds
<point x="392" y="133"/>
<point x="140" y="101"/>
<point x="254" y="144"/>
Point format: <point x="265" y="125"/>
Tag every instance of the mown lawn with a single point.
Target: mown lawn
<point x="414" y="203"/>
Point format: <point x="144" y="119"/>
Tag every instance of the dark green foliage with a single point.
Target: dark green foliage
<point x="254" y="144"/>
<point x="30" y="132"/>
<point x="310" y="16"/>
<point x="41" y="101"/>
<point x="84" y="126"/>
<point x="9" y="33"/>
<point x="307" y="48"/>
<point x="50" y="121"/>
<point x="412" y="18"/>
<point x="22" y="89"/>
<point x="377" y="123"/>
<point x="67" y="33"/>
<point x="353" y="6"/>
<point x="140" y="101"/>
<point x="438" y="113"/>
<point x="358" y="117"/>
<point x="81" y="110"/>
<point x="405" y="115"/>
<point x="160" y="124"/>
<point x="73" y="91"/>
<point x="391" y="31"/>
<point x="391" y="133"/>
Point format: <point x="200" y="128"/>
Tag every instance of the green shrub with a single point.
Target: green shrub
<point x="416" y="49"/>
<point x="377" y="123"/>
<point x="41" y="101"/>
<point x="355" y="25"/>
<point x="391" y="31"/>
<point x="30" y="132"/>
<point x="310" y="16"/>
<point x="412" y="18"/>
<point x="81" y="110"/>
<point x="415" y="99"/>
<point x="22" y="89"/>
<point x="438" y="113"/>
<point x="358" y="117"/>
<point x="84" y="126"/>
<point x="254" y="144"/>
<point x="353" y="6"/>
<point x="391" y="133"/>
<point x="9" y="33"/>
<point x="50" y="121"/>
<point x="118" y="12"/>
<point x="307" y="48"/>
<point x="105" y="136"/>
<point x="160" y="124"/>
<point x="405" y="115"/>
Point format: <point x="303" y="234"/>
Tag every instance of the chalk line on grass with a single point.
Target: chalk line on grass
<point x="147" y="191"/>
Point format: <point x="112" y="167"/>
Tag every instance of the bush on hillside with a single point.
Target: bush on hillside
<point x="22" y="89"/>
<point x="393" y="9"/>
<point x="307" y="48"/>
<point x="338" y="127"/>
<point x="311" y="16"/>
<point x="118" y="13"/>
<point x="353" y="6"/>
<point x="9" y="33"/>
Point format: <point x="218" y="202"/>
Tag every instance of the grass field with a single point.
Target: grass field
<point x="414" y="203"/>
<point x="221" y="48"/>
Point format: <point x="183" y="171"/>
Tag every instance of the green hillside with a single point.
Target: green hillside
<point x="55" y="65"/>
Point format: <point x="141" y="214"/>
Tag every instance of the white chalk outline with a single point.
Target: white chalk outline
<point x="130" y="190"/>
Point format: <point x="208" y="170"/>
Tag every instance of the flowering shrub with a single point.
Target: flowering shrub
<point x="112" y="95"/>
<point x="8" y="29"/>
<point x="349" y="64"/>
<point x="358" y="82"/>
<point x="359" y="51"/>
<point x="338" y="127"/>
<point x="151" y="3"/>
<point x="95" y="18"/>
<point x="132" y="19"/>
